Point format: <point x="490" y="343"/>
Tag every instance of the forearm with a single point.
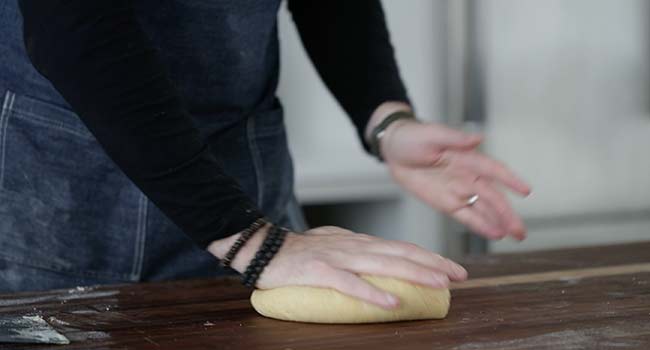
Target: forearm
<point x="349" y="44"/>
<point x="97" y="57"/>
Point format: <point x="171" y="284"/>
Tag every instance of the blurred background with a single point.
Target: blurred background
<point x="561" y="90"/>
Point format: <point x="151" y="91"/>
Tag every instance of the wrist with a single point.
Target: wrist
<point x="388" y="125"/>
<point x="392" y="129"/>
<point x="382" y="112"/>
<point x="220" y="248"/>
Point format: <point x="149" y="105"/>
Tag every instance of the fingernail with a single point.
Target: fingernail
<point x="391" y="300"/>
<point x="459" y="270"/>
<point x="519" y="233"/>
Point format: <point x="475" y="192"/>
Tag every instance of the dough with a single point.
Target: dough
<point x="324" y="305"/>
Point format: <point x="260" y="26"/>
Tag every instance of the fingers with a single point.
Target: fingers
<point x="493" y="216"/>
<point x="352" y="285"/>
<point x="420" y="256"/>
<point x="397" y="267"/>
<point x="444" y="137"/>
<point x="489" y="168"/>
<point x="509" y="220"/>
<point x="470" y="217"/>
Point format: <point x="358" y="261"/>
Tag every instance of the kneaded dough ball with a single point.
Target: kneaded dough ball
<point x="324" y="305"/>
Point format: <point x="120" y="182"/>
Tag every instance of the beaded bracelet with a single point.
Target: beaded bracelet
<point x="267" y="251"/>
<point x="241" y="241"/>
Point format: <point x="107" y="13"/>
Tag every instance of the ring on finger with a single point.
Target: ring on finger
<point x="472" y="200"/>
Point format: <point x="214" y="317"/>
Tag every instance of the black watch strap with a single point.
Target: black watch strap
<point x="379" y="130"/>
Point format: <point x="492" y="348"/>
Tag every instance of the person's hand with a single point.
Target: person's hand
<point x="333" y="257"/>
<point x="441" y="166"/>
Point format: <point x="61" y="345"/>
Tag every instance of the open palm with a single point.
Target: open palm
<point x="442" y="167"/>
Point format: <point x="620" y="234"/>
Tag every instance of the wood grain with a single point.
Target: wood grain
<point x="598" y="311"/>
<point x="552" y="276"/>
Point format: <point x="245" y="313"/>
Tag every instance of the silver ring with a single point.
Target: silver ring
<point x="472" y="200"/>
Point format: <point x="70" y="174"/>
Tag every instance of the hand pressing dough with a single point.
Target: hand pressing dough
<point x="324" y="305"/>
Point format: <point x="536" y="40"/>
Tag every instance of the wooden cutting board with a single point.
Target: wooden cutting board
<point x="589" y="298"/>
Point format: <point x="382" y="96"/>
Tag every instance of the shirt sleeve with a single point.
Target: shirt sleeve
<point x="349" y="44"/>
<point x="98" y="58"/>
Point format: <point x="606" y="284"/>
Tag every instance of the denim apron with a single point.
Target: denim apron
<point x="69" y="216"/>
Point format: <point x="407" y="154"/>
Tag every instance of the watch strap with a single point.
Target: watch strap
<point x="379" y="130"/>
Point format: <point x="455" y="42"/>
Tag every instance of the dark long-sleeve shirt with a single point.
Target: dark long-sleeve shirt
<point x="99" y="58"/>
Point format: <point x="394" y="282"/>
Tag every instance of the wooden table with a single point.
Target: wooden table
<point x="591" y="307"/>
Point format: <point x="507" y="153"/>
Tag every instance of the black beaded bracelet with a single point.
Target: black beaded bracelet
<point x="267" y="251"/>
<point x="241" y="241"/>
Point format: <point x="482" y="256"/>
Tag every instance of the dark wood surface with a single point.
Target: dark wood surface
<point x="589" y="313"/>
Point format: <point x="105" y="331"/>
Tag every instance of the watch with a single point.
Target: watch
<point x="379" y="131"/>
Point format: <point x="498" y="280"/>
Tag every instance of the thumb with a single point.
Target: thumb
<point x="444" y="137"/>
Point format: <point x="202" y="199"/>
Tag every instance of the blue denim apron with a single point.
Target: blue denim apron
<point x="69" y="216"/>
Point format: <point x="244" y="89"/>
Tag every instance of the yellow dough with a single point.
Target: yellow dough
<point x="324" y="305"/>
